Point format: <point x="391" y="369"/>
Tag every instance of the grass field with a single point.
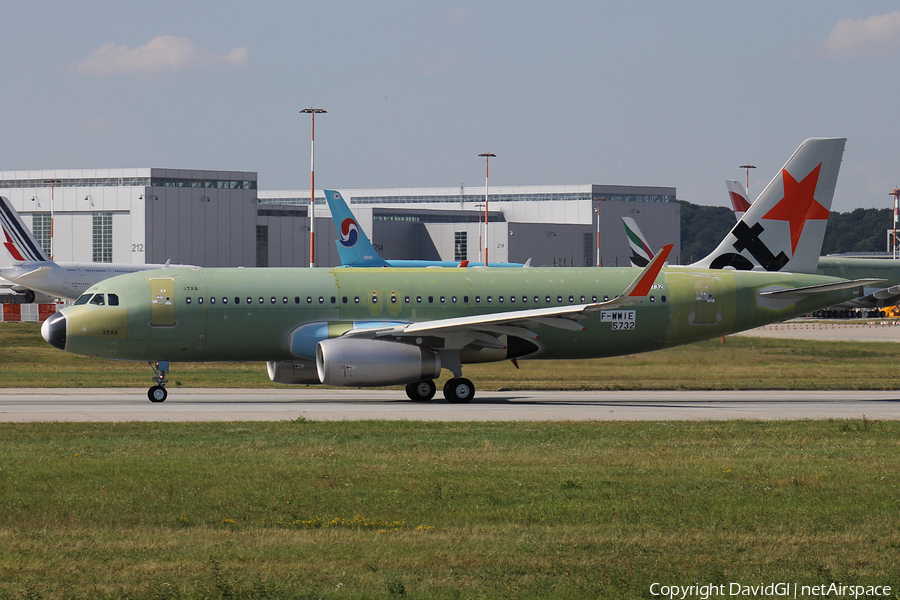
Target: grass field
<point x="441" y="510"/>
<point x="307" y="509"/>
<point x="738" y="363"/>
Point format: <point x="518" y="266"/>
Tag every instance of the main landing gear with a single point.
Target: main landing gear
<point x="456" y="390"/>
<point x="158" y="392"/>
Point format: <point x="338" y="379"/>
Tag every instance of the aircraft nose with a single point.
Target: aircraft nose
<point x="54" y="330"/>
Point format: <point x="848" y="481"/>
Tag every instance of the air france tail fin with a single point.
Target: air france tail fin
<point x="738" y="196"/>
<point x="18" y="240"/>
<point x="353" y="246"/>
<point x="784" y="229"/>
<point x="640" y="249"/>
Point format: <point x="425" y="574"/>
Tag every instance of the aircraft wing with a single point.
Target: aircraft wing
<point x="484" y="329"/>
<point x="27" y="271"/>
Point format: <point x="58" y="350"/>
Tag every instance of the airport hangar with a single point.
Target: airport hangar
<point x="221" y="219"/>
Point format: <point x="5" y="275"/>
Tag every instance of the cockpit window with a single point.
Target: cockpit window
<point x="83" y="299"/>
<point x="112" y="299"/>
<point x="98" y="300"/>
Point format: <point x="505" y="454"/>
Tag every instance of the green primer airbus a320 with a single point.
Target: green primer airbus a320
<point x="374" y="327"/>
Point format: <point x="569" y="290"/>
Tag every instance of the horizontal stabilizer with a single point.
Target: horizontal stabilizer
<point x="812" y="290"/>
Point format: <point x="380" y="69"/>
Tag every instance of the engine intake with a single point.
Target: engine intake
<point x="354" y="362"/>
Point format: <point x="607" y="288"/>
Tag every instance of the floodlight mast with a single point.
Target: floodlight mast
<point x="487" y="225"/>
<point x="747" y="168"/>
<point x="312" y="191"/>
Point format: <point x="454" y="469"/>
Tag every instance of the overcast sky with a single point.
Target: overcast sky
<point x="625" y="93"/>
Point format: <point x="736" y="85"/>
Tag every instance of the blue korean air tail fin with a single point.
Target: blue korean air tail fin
<point x="353" y="245"/>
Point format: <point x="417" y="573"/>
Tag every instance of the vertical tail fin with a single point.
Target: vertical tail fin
<point x="353" y="246"/>
<point x="640" y="249"/>
<point x="740" y="203"/>
<point x="18" y="239"/>
<point x="784" y="229"/>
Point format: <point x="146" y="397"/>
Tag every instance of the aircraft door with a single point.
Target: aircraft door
<point x="162" y="301"/>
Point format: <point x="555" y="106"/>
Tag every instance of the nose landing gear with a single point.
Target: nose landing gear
<point x="158" y="392"/>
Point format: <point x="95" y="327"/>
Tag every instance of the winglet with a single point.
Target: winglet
<point x="641" y="285"/>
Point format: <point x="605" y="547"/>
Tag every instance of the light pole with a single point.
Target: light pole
<point x="480" y="247"/>
<point x="598" y="231"/>
<point x="52" y="183"/>
<point x="312" y="190"/>
<point x="747" y="168"/>
<point x="487" y="157"/>
<point x="896" y="195"/>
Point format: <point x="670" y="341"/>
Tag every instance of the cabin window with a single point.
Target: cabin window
<point x="652" y="299"/>
<point x="662" y="299"/>
<point x="187" y="300"/>
<point x="344" y="300"/>
<point x="113" y="299"/>
<point x="273" y="300"/>
<point x="284" y="300"/>
<point x="443" y="299"/>
<point x="453" y="299"/>
<point x="224" y="300"/>
<point x="84" y="299"/>
<point x="501" y="299"/>
<point x="296" y="299"/>
<point x="393" y="299"/>
<point x="477" y="299"/>
<point x="406" y="299"/>
<point x="465" y="299"/>
<point x="582" y="299"/>
<point x="374" y="298"/>
<point x="430" y="299"/>
<point x="512" y="298"/>
<point x="418" y="299"/>
<point x="525" y="299"/>
<point x="309" y="299"/>
<point x="593" y="298"/>
<point x="548" y="299"/>
<point x="606" y="298"/>
<point x="200" y="300"/>
<point x="212" y="299"/>
<point x="571" y="299"/>
<point x="490" y="299"/>
<point x="559" y="299"/>
<point x="237" y="300"/>
<point x="321" y="299"/>
<point x="356" y="299"/>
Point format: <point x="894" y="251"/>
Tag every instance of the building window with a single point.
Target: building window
<point x="102" y="238"/>
<point x="460" y="252"/>
<point x="40" y="226"/>
<point x="262" y="245"/>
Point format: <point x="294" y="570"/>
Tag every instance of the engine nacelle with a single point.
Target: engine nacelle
<point x="361" y="363"/>
<point x="293" y="371"/>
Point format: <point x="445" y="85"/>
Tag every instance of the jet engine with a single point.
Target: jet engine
<point x="293" y="371"/>
<point x="355" y="362"/>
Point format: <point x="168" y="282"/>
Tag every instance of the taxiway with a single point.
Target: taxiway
<point x="116" y="404"/>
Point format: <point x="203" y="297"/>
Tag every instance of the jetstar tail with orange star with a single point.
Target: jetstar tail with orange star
<point x="784" y="229"/>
